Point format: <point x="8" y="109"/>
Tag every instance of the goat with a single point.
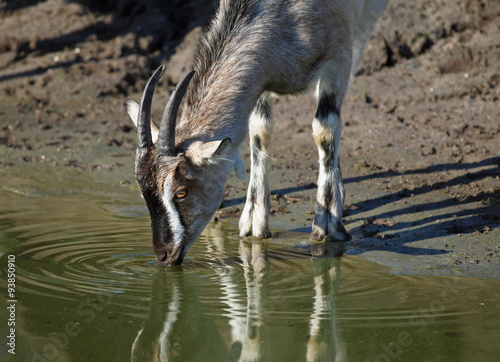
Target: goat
<point x="252" y="50"/>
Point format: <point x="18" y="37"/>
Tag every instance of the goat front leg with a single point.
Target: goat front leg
<point x="254" y="219"/>
<point x="326" y="131"/>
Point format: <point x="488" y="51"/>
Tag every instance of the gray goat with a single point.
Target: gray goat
<point x="253" y="49"/>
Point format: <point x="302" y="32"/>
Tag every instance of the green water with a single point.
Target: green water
<point x="87" y="289"/>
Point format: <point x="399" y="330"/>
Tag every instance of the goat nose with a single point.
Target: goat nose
<point x="161" y="255"/>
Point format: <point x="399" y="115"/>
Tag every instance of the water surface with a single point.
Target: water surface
<point x="87" y="289"/>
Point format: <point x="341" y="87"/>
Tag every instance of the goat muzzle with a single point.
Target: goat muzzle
<point x="168" y="256"/>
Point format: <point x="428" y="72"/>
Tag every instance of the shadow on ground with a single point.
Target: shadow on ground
<point x="408" y="219"/>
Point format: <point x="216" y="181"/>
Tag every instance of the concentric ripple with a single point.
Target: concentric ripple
<point x="102" y="255"/>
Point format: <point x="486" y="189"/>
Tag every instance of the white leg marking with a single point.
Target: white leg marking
<point x="254" y="218"/>
<point x="326" y="132"/>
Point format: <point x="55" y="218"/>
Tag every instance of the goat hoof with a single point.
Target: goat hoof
<point x="333" y="231"/>
<point x="321" y="236"/>
<point x="244" y="234"/>
<point x="245" y="228"/>
<point x="266" y="234"/>
<point x="343" y="237"/>
<point x="317" y="234"/>
<point x="340" y="233"/>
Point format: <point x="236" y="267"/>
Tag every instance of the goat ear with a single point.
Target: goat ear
<point x="222" y="147"/>
<point x="209" y="152"/>
<point x="132" y="111"/>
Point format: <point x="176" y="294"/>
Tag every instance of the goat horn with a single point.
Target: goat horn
<point x="144" y="139"/>
<point x="166" y="137"/>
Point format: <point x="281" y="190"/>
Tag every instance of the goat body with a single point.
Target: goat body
<point x="252" y="49"/>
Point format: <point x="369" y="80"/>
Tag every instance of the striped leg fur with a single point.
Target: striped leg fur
<point x="254" y="219"/>
<point x="326" y="131"/>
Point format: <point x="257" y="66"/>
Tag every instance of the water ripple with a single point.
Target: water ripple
<point x="68" y="249"/>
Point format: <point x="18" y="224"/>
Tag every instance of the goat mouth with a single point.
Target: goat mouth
<point x="170" y="262"/>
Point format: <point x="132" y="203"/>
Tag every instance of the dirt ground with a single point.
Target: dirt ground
<point x="420" y="145"/>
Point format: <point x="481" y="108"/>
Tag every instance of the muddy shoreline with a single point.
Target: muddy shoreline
<point x="420" y="145"/>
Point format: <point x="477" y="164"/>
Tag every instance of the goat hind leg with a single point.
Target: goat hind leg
<point x="326" y="131"/>
<point x="254" y="218"/>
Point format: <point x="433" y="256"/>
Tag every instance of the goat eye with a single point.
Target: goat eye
<point x="181" y="193"/>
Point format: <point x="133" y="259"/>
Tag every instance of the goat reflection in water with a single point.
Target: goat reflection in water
<point x="178" y="327"/>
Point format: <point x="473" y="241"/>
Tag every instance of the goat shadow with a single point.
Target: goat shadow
<point x="457" y="214"/>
